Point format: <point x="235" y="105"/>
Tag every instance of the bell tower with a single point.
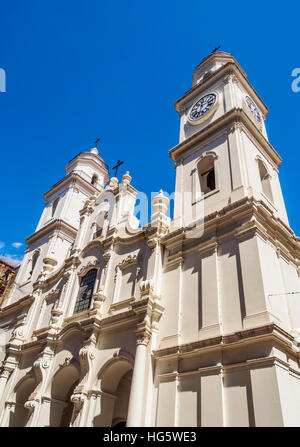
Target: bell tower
<point x="50" y="244"/>
<point x="223" y="154"/>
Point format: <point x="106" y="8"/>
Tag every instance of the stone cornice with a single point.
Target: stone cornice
<point x="220" y="56"/>
<point x="55" y="225"/>
<point x="138" y="236"/>
<point x="77" y="180"/>
<point x="17" y="306"/>
<point x="220" y="127"/>
<point x="93" y="159"/>
<point x="240" y="219"/>
<point x="270" y="332"/>
<point x="95" y="243"/>
<point x="229" y="68"/>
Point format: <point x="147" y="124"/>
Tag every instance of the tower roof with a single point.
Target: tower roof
<point x="213" y="62"/>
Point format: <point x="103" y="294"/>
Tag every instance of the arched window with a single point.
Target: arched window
<point x="85" y="292"/>
<point x="54" y="206"/>
<point x="206" y="171"/>
<point x="98" y="231"/>
<point x="265" y="180"/>
<point x="33" y="262"/>
<point x="94" y="179"/>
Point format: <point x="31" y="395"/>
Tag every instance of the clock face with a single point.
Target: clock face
<point x="253" y="109"/>
<point x="202" y="106"/>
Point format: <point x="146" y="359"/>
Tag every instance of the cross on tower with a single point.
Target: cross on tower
<point x="119" y="163"/>
<point x="216" y="49"/>
<point x="96" y="142"/>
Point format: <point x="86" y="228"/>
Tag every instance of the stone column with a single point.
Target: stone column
<point x="9" y="408"/>
<point x="135" y="408"/>
<point x="4" y="376"/>
<point x="85" y="213"/>
<point x="178" y="201"/>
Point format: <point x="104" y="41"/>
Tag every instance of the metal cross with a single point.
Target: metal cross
<point x="96" y="142"/>
<point x="216" y="49"/>
<point x="119" y="163"/>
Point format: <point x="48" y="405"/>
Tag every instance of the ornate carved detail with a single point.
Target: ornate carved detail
<point x="78" y="401"/>
<point x="66" y="362"/>
<point x="18" y="334"/>
<point x="86" y="355"/>
<point x="143" y="339"/>
<point x="98" y="300"/>
<point x="92" y="264"/>
<point x="146" y="287"/>
<point x="107" y="254"/>
<point x="67" y="274"/>
<point x="237" y="126"/>
<point x="11" y="361"/>
<point x="5" y="373"/>
<point x="9" y="405"/>
<point x="153" y="242"/>
<point x="128" y="261"/>
<point x="88" y="207"/>
<point x="53" y="293"/>
<point x="31" y="405"/>
<point x="230" y="78"/>
<point x="42" y="363"/>
<point x="180" y="160"/>
<point x="56" y="313"/>
<point x="87" y="352"/>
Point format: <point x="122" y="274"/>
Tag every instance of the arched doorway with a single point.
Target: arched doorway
<point x="122" y="401"/>
<point x="64" y="382"/>
<point x="19" y="416"/>
<point x="115" y="384"/>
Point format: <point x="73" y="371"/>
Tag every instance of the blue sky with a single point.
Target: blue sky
<point x="79" y="70"/>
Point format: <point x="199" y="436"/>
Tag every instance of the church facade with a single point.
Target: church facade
<point x="193" y="321"/>
<point x="7" y="276"/>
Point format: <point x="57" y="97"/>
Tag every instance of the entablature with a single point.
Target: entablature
<point x="222" y="126"/>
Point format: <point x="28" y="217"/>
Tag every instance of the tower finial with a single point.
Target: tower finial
<point x="216" y="49"/>
<point x="94" y="150"/>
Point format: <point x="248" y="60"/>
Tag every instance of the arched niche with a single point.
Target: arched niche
<point x="19" y="415"/>
<point x="114" y="383"/>
<point x="265" y="179"/>
<point x="63" y="385"/>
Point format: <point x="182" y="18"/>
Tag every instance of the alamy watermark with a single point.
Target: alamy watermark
<point x="296" y="81"/>
<point x="2" y="81"/>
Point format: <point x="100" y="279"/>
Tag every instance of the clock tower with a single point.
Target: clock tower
<point x="224" y="154"/>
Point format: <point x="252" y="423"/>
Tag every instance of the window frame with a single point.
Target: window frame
<point x="79" y="307"/>
<point x="196" y="184"/>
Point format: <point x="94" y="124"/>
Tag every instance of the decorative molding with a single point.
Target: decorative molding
<point x="128" y="261"/>
<point x="55" y="225"/>
<point x="90" y="265"/>
<point x="143" y="339"/>
<point x="220" y="127"/>
<point x="229" y="68"/>
<point x="107" y="255"/>
<point x="98" y="299"/>
<point x="53" y="293"/>
<point x="230" y="78"/>
<point x="68" y="360"/>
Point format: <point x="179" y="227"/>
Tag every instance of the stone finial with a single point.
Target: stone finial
<point x="113" y="182"/>
<point x="126" y="178"/>
<point x="160" y="204"/>
<point x="94" y="150"/>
